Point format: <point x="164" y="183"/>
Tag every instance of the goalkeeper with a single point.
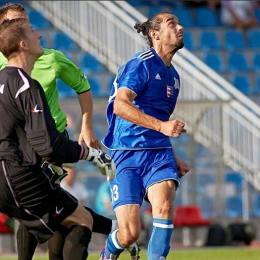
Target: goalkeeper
<point x="29" y="134"/>
<point x="47" y="69"/>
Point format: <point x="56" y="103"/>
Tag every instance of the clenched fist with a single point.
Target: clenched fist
<point x="173" y="128"/>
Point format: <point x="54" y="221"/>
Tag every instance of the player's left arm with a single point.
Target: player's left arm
<point x="74" y="77"/>
<point x="182" y="166"/>
<point x="87" y="134"/>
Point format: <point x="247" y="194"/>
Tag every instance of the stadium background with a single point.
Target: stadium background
<point x="225" y="192"/>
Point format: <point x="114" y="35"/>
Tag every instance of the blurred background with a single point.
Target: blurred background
<point x="219" y="102"/>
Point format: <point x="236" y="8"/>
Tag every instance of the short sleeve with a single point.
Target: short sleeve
<point x="133" y="75"/>
<point x="71" y="74"/>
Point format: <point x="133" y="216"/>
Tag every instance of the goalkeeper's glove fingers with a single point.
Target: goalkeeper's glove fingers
<point x="58" y="172"/>
<point x="60" y="169"/>
<point x="110" y="169"/>
<point x="58" y="175"/>
<point x="57" y="169"/>
<point x="103" y="161"/>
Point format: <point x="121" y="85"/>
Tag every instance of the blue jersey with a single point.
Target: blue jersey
<point x="156" y="87"/>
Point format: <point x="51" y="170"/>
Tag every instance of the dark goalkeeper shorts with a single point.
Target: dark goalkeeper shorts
<point x="44" y="225"/>
<point x="27" y="195"/>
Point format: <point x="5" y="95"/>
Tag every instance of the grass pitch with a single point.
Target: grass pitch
<point x="220" y="253"/>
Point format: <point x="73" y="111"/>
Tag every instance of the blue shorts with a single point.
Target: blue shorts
<point x="137" y="170"/>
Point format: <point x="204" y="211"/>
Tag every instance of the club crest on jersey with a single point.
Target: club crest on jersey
<point x="169" y="91"/>
<point x="176" y="84"/>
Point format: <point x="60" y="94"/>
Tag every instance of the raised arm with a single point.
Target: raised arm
<point x="124" y="108"/>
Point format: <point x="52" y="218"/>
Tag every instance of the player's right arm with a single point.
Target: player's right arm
<point x="132" y="80"/>
<point x="41" y="132"/>
<point x="74" y="77"/>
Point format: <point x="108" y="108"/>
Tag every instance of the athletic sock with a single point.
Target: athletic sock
<point x="76" y="243"/>
<point x="113" y="246"/>
<point x="56" y="243"/>
<point x="101" y="224"/>
<point x="159" y="244"/>
<point x="26" y="243"/>
<point x="114" y="225"/>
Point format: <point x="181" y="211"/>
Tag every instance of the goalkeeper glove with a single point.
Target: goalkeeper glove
<point x="58" y="175"/>
<point x="103" y="161"/>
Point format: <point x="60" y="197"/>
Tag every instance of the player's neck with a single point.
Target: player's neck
<point x="165" y="54"/>
<point x="20" y="61"/>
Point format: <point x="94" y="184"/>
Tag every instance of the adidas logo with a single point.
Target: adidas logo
<point x="158" y="76"/>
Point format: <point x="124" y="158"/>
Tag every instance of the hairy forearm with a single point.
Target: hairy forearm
<point x="132" y="114"/>
<point x="86" y="104"/>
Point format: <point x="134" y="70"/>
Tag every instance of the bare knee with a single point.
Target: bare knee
<point x="164" y="210"/>
<point x="162" y="206"/>
<point x="128" y="236"/>
<point x="129" y="224"/>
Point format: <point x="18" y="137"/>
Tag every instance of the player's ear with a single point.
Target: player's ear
<point x="154" y="34"/>
<point x="23" y="45"/>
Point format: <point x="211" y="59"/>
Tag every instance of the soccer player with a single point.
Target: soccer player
<point x="47" y="69"/>
<point x="138" y="138"/>
<point x="29" y="135"/>
<point x="55" y="64"/>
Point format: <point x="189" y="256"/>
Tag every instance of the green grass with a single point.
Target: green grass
<point x="220" y="253"/>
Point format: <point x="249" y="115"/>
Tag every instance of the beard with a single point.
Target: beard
<point x="179" y="45"/>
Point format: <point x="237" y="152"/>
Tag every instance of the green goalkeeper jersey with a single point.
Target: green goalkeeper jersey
<point x="53" y="65"/>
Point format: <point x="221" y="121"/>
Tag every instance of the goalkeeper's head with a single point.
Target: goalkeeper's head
<point x="12" y="11"/>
